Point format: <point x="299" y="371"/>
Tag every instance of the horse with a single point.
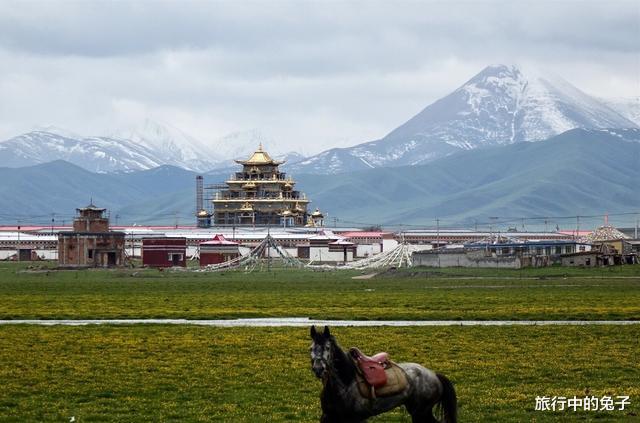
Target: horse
<point x="341" y="400"/>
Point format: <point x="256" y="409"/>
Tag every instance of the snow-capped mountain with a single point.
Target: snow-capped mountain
<point x="240" y="145"/>
<point x="500" y="105"/>
<point x="628" y="107"/>
<point x="174" y="146"/>
<point x="144" y="147"/>
<point x="97" y="154"/>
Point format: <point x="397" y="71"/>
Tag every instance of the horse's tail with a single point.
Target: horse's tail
<point x="449" y="400"/>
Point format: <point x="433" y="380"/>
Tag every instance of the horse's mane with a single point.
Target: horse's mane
<point x="342" y="363"/>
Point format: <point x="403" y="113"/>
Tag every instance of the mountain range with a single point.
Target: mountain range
<point x="579" y="172"/>
<point x="145" y="147"/>
<point x="501" y="105"/>
<point x="505" y="143"/>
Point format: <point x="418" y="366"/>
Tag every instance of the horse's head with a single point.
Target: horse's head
<point x="321" y="351"/>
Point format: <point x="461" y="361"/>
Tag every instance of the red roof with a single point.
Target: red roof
<point x="219" y="239"/>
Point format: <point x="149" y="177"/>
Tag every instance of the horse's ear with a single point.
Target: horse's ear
<point x="313" y="332"/>
<point x="326" y="333"/>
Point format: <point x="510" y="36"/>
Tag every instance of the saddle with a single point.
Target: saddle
<point x="377" y="376"/>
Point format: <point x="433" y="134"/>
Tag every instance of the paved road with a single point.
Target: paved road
<point x="303" y="321"/>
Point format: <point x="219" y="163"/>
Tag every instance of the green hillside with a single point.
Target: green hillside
<point x="580" y="172"/>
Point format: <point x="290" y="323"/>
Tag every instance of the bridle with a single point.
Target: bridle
<point x="324" y="361"/>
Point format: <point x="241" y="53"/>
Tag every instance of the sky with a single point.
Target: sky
<point x="310" y="75"/>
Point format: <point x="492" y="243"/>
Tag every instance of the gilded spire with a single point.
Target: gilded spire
<point x="259" y="157"/>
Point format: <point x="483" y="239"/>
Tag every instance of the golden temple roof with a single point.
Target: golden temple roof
<point x="259" y="157"/>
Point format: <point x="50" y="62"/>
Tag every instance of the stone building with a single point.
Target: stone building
<point x="91" y="243"/>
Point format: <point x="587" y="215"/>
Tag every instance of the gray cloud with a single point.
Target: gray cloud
<point x="312" y="74"/>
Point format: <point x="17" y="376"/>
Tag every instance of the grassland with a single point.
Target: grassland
<point x="540" y="294"/>
<point x="181" y="373"/>
<point x="188" y="373"/>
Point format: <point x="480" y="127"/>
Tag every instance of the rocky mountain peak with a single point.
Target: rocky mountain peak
<point x="500" y="105"/>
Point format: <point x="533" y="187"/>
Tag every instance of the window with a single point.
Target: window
<point x="558" y="249"/>
<point x="90" y="254"/>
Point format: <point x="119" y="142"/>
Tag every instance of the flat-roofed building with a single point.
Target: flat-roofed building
<point x="164" y="252"/>
<point x="91" y="243"/>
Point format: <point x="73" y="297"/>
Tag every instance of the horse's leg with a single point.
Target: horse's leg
<point x="421" y="413"/>
<point x="429" y="416"/>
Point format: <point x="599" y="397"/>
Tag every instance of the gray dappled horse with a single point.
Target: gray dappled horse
<point x="342" y="402"/>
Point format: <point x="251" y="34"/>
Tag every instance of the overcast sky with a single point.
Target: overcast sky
<point x="311" y="75"/>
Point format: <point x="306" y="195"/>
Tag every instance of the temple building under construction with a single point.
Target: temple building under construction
<point x="260" y="194"/>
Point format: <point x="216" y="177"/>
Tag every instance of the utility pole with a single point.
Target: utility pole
<point x="53" y="220"/>
<point x="637" y="222"/>
<point x="18" y="245"/>
<point x="438" y="239"/>
<point x="577" y="227"/>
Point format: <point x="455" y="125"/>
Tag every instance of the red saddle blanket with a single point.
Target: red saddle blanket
<point x="372" y="368"/>
<point x="377" y="376"/>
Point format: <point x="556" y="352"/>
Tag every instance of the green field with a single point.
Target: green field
<point x="183" y="373"/>
<point x="190" y="373"/>
<point x="540" y="294"/>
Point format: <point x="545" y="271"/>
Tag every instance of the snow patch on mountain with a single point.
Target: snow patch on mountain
<point x="175" y="146"/>
<point x="501" y="105"/>
<point x="628" y="107"/>
<point x="146" y="146"/>
<point x="98" y="154"/>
